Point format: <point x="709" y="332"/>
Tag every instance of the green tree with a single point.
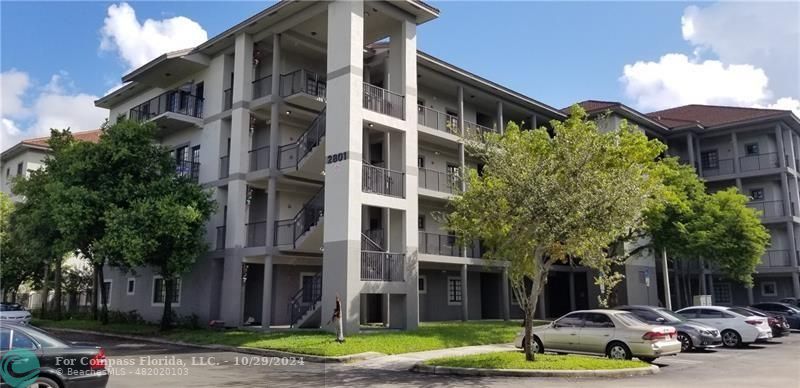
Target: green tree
<point x="542" y="199"/>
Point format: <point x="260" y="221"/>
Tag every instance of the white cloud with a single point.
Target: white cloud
<point x="138" y="43"/>
<point x="13" y="84"/>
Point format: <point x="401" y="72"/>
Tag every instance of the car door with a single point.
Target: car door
<point x="715" y="318"/>
<point x="564" y="334"/>
<point x="597" y="330"/>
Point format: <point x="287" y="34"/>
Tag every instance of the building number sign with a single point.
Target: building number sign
<point x="334" y="158"/>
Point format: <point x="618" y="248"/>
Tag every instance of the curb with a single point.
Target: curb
<point x="236" y="349"/>
<point x="456" y="371"/>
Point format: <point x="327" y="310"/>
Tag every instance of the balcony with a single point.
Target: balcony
<point x="722" y="167"/>
<point x="224" y="166"/>
<point x="227" y="99"/>
<point x="220" y="237"/>
<point x="382" y="181"/>
<point x="383" y="101"/>
<point x="262" y="87"/>
<point x="382" y="266"/>
<point x="259" y="158"/>
<point x="473" y="130"/>
<point x="439" y="121"/>
<point x="445" y="245"/>
<point x="438" y="181"/>
<point x="188" y="169"/>
<point x="170" y="110"/>
<point x="256" y="234"/>
<point x="759" y="162"/>
<point x="776" y="258"/>
<point x="304" y="88"/>
<point x="768" y="209"/>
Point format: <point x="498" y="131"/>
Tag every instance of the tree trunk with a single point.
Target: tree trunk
<point x="166" y="317"/>
<point x="103" y="294"/>
<point x="45" y="291"/>
<point x="57" y="285"/>
<point x="528" y="343"/>
<point x="95" y="293"/>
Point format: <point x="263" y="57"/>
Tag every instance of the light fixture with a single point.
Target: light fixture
<point x="371" y="125"/>
<point x="288" y="112"/>
<point x="313" y="33"/>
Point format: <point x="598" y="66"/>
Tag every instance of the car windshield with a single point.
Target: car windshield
<point x="628" y="319"/>
<point x="745" y="312"/>
<point x="671" y="316"/>
<point x="10" y="307"/>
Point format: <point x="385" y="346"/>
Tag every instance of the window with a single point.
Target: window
<point x="722" y="293"/>
<point x="757" y="194"/>
<point x="709" y="314"/>
<point x="107" y="290"/>
<point x="709" y="159"/>
<point x="19" y="168"/>
<point x="160" y="291"/>
<point x="14" y="339"/>
<point x="310" y="287"/>
<point x="751" y="149"/>
<point x="131" y="286"/>
<point x="597" y="320"/>
<point x="689" y="313"/>
<point x="571" y="320"/>
<point x="454" y="291"/>
<point x="421" y="222"/>
<point x="769" y="289"/>
<point x="647" y="315"/>
<point x="421" y="161"/>
<point x="8" y="173"/>
<point x="422" y="285"/>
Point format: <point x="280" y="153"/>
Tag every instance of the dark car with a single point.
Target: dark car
<point x="691" y="334"/>
<point x="778" y="324"/>
<point x="792" y="301"/>
<point x="62" y="364"/>
<point x="791" y="313"/>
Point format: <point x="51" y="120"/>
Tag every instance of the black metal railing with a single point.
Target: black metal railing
<point x="262" y="87"/>
<point x="175" y="101"/>
<point x="441" y="121"/>
<point x="383" y="101"/>
<point x="769" y="209"/>
<point x="759" y="162"/>
<point x="776" y="258"/>
<point x="220" y="237"/>
<point x="373" y="240"/>
<point x="291" y="154"/>
<point x="446" y="245"/>
<point x="287" y="232"/>
<point x="382" y="266"/>
<point x="188" y="169"/>
<point x="305" y="299"/>
<point x="259" y="158"/>
<point x="382" y="181"/>
<point x="256" y="234"/>
<point x="444" y="182"/>
<point x="303" y="81"/>
<point x="722" y="167"/>
<point x="224" y="166"/>
<point x="227" y="98"/>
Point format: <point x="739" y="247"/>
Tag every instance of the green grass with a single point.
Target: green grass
<point x="429" y="336"/>
<point x="516" y="360"/>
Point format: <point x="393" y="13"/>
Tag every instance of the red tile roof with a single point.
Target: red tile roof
<point x="710" y="115"/>
<point x="592" y="106"/>
<point x="90" y="136"/>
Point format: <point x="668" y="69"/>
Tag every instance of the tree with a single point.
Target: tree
<point x="542" y="199"/>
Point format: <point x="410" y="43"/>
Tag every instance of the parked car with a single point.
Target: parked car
<point x="613" y="333"/>
<point x="792" y="301"/>
<point x="61" y="364"/>
<point x="791" y="313"/>
<point x="14" y="313"/>
<point x="690" y="334"/>
<point x="776" y="322"/>
<point x="736" y="329"/>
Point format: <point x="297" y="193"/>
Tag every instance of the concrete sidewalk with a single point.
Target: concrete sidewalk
<point x="404" y="361"/>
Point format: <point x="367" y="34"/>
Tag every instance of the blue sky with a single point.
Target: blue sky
<point x="555" y="52"/>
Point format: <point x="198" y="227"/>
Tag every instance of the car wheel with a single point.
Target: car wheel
<point x="686" y="342"/>
<point x="538" y="347"/>
<point x="731" y="339"/>
<point x="618" y="351"/>
<point x="44" y="382"/>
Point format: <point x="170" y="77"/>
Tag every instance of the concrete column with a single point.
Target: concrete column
<point x="796" y="283"/>
<point x="572" y="303"/>
<point x="792" y="155"/>
<point x="690" y="145"/>
<point x="750" y="299"/>
<point x="500" y="121"/>
<point x="461" y="152"/>
<point x="534" y="124"/>
<point x="464" y="294"/>
<point x="243" y="68"/>
<point x="711" y="287"/>
<point x="697" y="155"/>
<point x="703" y="286"/>
<point x="386" y="309"/>
<point x="504" y="299"/>
<point x="781" y="150"/>
<point x="231" y="295"/>
<point x="735" y="144"/>
<point x="266" y="300"/>
<point x="786" y="193"/>
<point x="792" y="243"/>
<point x="341" y="269"/>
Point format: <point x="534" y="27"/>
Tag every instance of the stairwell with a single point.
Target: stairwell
<point x="291" y="156"/>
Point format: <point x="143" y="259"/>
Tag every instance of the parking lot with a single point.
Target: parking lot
<point x="145" y="364"/>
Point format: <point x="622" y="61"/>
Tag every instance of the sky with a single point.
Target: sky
<point x="56" y="58"/>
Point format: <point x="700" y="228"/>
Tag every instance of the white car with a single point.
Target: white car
<point x="14" y="313"/>
<point x="613" y="333"/>
<point x="737" y="329"/>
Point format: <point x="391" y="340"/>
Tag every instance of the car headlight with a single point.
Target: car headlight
<point x="706" y="332"/>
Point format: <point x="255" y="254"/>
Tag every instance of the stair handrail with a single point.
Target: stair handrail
<point x="309" y="215"/>
<point x="371" y="243"/>
<point x="296" y="306"/>
<point x="306" y="142"/>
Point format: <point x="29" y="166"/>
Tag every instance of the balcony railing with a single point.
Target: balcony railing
<point x="303" y="81"/>
<point x="262" y="87"/>
<point x="220" y="237"/>
<point x="224" y="166"/>
<point x="759" y="162"/>
<point x="445" y="245"/>
<point x="383" y="101"/>
<point x="291" y="154"/>
<point x="256" y="234"/>
<point x="227" y="98"/>
<point x="382" y="266"/>
<point x="768" y="209"/>
<point x="174" y="101"/>
<point x="382" y="181"/>
<point x="777" y="258"/>
<point x="373" y="240"/>
<point x="437" y="120"/>
<point x="259" y="158"/>
<point x="438" y="181"/>
<point x="723" y="167"/>
<point x="472" y="130"/>
<point x="287" y="232"/>
<point x="188" y="169"/>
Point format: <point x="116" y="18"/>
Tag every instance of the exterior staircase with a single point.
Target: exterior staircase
<point x="292" y="156"/>
<point x="305" y="306"/>
<point x="294" y="231"/>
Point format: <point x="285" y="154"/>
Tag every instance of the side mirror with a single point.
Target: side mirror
<point x="660" y="320"/>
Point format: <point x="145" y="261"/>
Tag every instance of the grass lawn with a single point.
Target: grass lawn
<point x="429" y="336"/>
<point x="516" y="360"/>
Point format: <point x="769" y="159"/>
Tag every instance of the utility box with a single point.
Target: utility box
<point x="702" y="300"/>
